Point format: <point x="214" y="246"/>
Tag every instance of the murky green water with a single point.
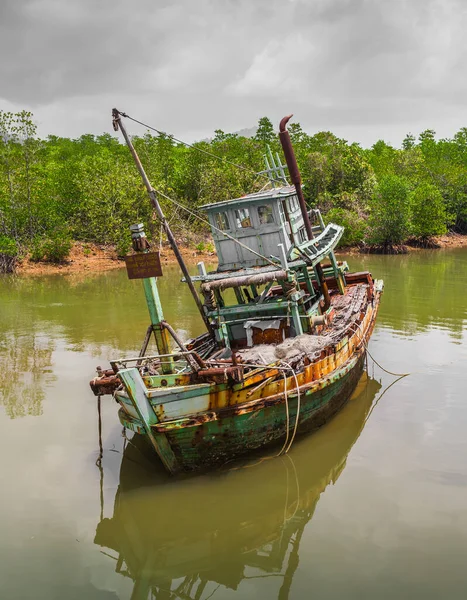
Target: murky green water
<point x="372" y="506"/>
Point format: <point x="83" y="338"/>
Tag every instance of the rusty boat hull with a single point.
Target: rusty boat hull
<point x="209" y="441"/>
<point x="237" y="421"/>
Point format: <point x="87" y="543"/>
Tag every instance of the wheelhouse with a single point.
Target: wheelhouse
<point x="266" y="287"/>
<point x="259" y="221"/>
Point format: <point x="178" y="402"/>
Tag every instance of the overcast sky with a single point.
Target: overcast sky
<point x="364" y="69"/>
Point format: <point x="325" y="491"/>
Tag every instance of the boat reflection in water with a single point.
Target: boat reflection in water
<point x="184" y="538"/>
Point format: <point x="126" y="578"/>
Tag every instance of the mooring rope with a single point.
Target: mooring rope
<point x="297" y="416"/>
<point x="374" y="359"/>
<point x="287" y="417"/>
<point x="381" y="395"/>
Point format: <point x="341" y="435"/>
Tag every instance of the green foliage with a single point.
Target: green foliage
<point x="354" y="225"/>
<point x="123" y="245"/>
<point x="389" y="221"/>
<point x="428" y="212"/>
<point x="88" y="189"/>
<point x="265" y="131"/>
<point x="36" y="249"/>
<point x="336" y="174"/>
<point x="57" y="248"/>
<point x="382" y="158"/>
<point x="8" y="246"/>
<point x="200" y="247"/>
<point x="408" y="142"/>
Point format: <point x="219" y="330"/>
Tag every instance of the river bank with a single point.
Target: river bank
<point x="97" y="258"/>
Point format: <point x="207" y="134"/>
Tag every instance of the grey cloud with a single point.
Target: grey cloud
<point x="192" y="66"/>
<point x="57" y="49"/>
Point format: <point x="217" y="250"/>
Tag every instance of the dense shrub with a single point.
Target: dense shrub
<point x="353" y="223"/>
<point x="57" y="248"/>
<point x="8" y="254"/>
<point x="389" y="222"/>
<point x="428" y="212"/>
<point x="51" y="249"/>
<point x="8" y="246"/>
<point x="123" y="245"/>
<point x="36" y="249"/>
<point x="90" y="185"/>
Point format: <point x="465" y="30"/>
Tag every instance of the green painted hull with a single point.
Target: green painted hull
<point x="235" y="433"/>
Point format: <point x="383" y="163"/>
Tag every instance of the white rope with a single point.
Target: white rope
<point x="374" y="360"/>
<point x="298" y="408"/>
<point x="282" y="450"/>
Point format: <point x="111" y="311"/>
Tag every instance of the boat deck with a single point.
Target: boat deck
<point x="344" y="310"/>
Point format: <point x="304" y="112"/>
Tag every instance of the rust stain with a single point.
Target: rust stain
<point x="105" y="384"/>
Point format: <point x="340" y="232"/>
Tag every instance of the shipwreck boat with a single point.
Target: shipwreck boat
<point x="286" y="331"/>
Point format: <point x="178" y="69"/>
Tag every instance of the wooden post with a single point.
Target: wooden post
<point x="153" y="302"/>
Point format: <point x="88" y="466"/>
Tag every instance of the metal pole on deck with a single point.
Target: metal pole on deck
<point x="294" y="173"/>
<point x="117" y="123"/>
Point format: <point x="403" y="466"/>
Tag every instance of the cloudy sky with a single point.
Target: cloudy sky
<point x="364" y="69"/>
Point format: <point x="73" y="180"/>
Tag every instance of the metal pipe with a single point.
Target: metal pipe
<point x="192" y="358"/>
<point x="294" y="172"/>
<point x="296" y="179"/>
<point x="117" y="123"/>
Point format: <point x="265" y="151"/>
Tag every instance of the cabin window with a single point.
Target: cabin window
<point x="302" y="237"/>
<point x="265" y="214"/>
<point x="221" y="220"/>
<point x="293" y="203"/>
<point x="242" y="218"/>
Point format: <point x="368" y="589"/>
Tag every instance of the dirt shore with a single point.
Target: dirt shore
<point x="450" y="240"/>
<point x="93" y="258"/>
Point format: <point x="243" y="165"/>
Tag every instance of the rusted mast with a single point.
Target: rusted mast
<point x="117" y="123"/>
<point x="296" y="179"/>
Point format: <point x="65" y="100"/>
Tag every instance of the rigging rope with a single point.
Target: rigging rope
<point x="285" y="448"/>
<point x="122" y="114"/>
<point x="216" y="228"/>
<point x="222" y="159"/>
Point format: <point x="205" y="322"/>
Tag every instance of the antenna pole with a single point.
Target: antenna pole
<point x="117" y="124"/>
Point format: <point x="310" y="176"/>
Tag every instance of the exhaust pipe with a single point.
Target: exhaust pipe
<point x="296" y="179"/>
<point x="294" y="173"/>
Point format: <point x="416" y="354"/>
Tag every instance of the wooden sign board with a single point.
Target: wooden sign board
<point x="143" y="265"/>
